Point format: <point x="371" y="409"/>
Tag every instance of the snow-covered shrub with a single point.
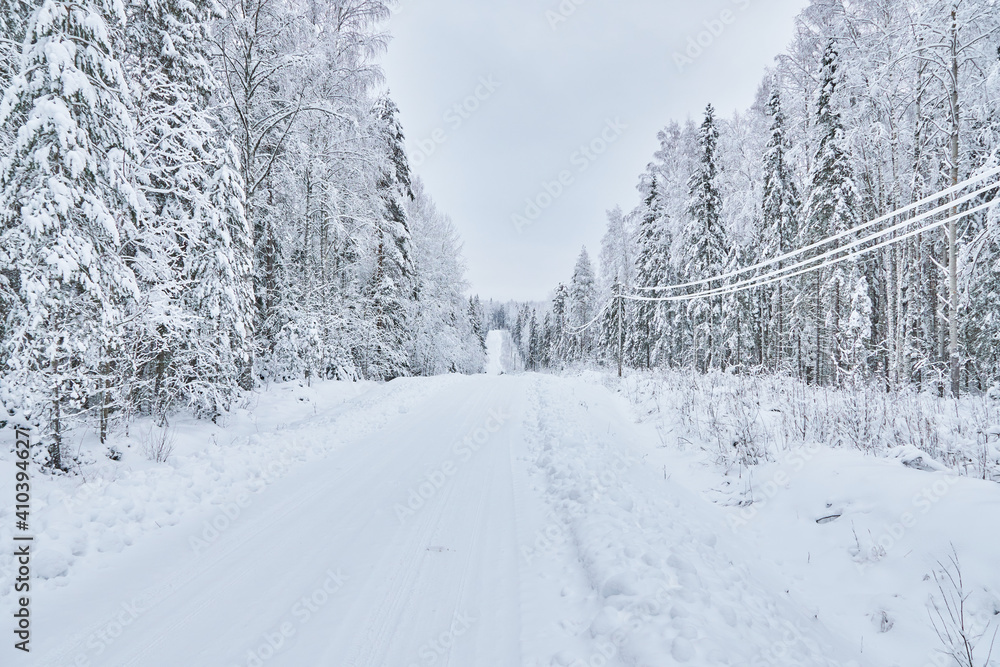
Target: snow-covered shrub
<point x="748" y="431"/>
<point x="864" y="417"/>
<point x="961" y="640"/>
<point x="157" y="444"/>
<point x="746" y="419"/>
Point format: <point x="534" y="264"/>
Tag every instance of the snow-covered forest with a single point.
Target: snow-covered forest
<point x="262" y="412"/>
<point x="198" y="198"/>
<point x="876" y="105"/>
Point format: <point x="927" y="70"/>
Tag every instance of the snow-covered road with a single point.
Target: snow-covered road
<point x="498" y="522"/>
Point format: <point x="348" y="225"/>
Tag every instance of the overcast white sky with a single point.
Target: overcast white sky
<point x="548" y="87"/>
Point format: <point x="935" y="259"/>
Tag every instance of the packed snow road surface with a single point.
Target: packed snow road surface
<point x="502" y="354"/>
<point x="496" y="522"/>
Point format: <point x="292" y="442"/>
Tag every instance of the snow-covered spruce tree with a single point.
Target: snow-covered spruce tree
<point x="559" y="339"/>
<point x="780" y="210"/>
<point x="842" y="309"/>
<point x="223" y="284"/>
<point x="193" y="250"/>
<point x="477" y="320"/>
<point x="390" y="289"/>
<point x="385" y="347"/>
<point x="705" y="247"/>
<point x="69" y="214"/>
<point x="547" y="338"/>
<point x="516" y="334"/>
<point x="652" y="269"/>
<point x="614" y="327"/>
<point x="583" y="304"/>
<point x="533" y="361"/>
<point x="14" y="15"/>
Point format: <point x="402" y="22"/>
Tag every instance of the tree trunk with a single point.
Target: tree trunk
<point x="952" y="225"/>
<point x="621" y="334"/>
<point x="55" y="450"/>
<point x="818" y="316"/>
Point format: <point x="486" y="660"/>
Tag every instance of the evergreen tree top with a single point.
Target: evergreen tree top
<point x="387" y="113"/>
<point x="584" y="269"/>
<point x="827" y="116"/>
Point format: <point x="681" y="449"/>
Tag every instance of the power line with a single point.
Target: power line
<point x="824" y="260"/>
<point x="775" y="276"/>
<point x="600" y="313"/>
<point x="855" y="230"/>
<point x="855" y="243"/>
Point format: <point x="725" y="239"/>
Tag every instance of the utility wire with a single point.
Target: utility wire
<point x="822" y="261"/>
<point x="775" y="276"/>
<point x="854" y="244"/>
<point x="593" y="321"/>
<point x="906" y="209"/>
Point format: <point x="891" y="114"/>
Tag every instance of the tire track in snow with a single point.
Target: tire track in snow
<point x="411" y="580"/>
<point x="666" y="586"/>
<point x="231" y="558"/>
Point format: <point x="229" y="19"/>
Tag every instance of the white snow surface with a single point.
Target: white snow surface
<point x="485" y="522"/>
<point x="494" y="352"/>
<point x="501" y="354"/>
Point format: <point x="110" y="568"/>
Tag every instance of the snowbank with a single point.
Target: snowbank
<point x="105" y="505"/>
<point x="860" y="500"/>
